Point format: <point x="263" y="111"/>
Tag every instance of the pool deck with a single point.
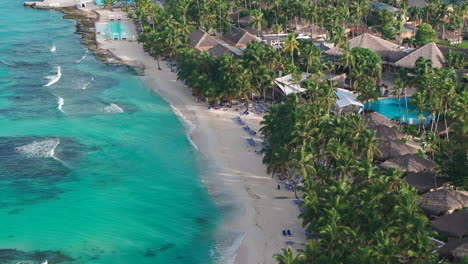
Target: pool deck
<point x="117" y="15"/>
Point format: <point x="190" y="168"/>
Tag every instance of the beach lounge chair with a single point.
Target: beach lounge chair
<point x="289" y="232"/>
<point x="284" y="232"/>
<point x="297" y="201"/>
<point x="251" y="142"/>
<point x="308" y="233"/>
<point x="252" y="132"/>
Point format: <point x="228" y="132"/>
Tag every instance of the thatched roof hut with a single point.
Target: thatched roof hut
<point x="375" y="118"/>
<point x="443" y="201"/>
<point x="219" y="50"/>
<point x="424" y="181"/>
<point x="429" y="51"/>
<point x="393" y="148"/>
<point x="384" y="132"/>
<point x="239" y="37"/>
<point x="454" y="225"/>
<point x="409" y="163"/>
<point x="200" y="40"/>
<point x="455" y="249"/>
<point x="387" y="50"/>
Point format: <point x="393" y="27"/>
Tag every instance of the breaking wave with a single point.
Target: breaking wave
<point x="40" y="149"/>
<point x="60" y="103"/>
<point x="112" y="109"/>
<point x="53" y="48"/>
<point x="54" y="78"/>
<point x="88" y="83"/>
<point x="82" y="58"/>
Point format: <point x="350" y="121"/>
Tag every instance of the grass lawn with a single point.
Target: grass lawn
<point x="464" y="44"/>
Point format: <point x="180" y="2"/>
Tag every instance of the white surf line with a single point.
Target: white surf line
<point x="54" y="78"/>
<point x="82" y="58"/>
<point x="86" y="85"/>
<point x="188" y="124"/>
<point x="60" y="103"/>
<point x="53" y="49"/>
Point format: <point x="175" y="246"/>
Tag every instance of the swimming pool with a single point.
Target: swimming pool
<point x="389" y="107"/>
<point x="112" y="30"/>
<point x="101" y="2"/>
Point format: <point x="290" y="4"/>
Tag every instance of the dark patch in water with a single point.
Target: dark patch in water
<point x="52" y="256"/>
<point x="28" y="180"/>
<point x="15" y="211"/>
<point x="153" y="252"/>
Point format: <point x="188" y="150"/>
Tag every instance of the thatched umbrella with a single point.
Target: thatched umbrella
<point x="385" y="132"/>
<point x="455" y="249"/>
<point x="393" y="148"/>
<point x="454" y="225"/>
<point x="375" y="118"/>
<point x="423" y="181"/>
<point x="409" y="163"/>
<point x="443" y="201"/>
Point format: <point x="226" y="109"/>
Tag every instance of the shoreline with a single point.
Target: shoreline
<point x="234" y="173"/>
<point x="237" y="171"/>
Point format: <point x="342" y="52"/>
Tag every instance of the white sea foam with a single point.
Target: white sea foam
<point x="82" y="58"/>
<point x="88" y="83"/>
<point x="225" y="250"/>
<point x="60" y="103"/>
<point x="112" y="109"/>
<point x="188" y="124"/>
<point x="54" y="78"/>
<point x="40" y="149"/>
<point x="53" y="48"/>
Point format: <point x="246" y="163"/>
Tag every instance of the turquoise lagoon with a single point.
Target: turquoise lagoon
<point x="94" y="167"/>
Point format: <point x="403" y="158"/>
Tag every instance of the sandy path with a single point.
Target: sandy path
<point x="236" y="171"/>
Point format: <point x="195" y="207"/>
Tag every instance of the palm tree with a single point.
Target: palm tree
<point x="291" y="45"/>
<point x="258" y="22"/>
<point x="419" y="100"/>
<point x="398" y="87"/>
<point x="288" y="257"/>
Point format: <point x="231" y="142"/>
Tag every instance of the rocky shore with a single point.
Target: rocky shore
<point x="85" y="20"/>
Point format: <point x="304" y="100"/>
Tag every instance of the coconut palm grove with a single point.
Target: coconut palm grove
<point x="372" y="187"/>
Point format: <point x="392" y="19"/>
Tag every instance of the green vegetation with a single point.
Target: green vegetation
<point x="357" y="213"/>
<point x="425" y="34"/>
<point x="464" y="44"/>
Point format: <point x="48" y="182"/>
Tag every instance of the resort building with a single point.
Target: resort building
<point x="220" y="50"/>
<point x="200" y="40"/>
<point x="429" y="51"/>
<point x="388" y="51"/>
<point x="239" y="38"/>
<point x="346" y="101"/>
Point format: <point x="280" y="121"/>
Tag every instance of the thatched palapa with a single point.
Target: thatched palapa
<point x="424" y="181"/>
<point x="393" y="148"/>
<point x="429" y="51"/>
<point x="387" y="50"/>
<point x="239" y="37"/>
<point x="454" y="225"/>
<point x="443" y="201"/>
<point x="385" y="132"/>
<point x="375" y="118"/>
<point x="200" y="40"/>
<point x="455" y="249"/>
<point x="219" y="50"/>
<point x="409" y="163"/>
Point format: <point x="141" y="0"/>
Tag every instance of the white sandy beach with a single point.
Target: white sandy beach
<point x="239" y="172"/>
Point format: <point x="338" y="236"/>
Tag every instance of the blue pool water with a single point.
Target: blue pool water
<point x="390" y="107"/>
<point x="112" y="30"/>
<point x="94" y="167"/>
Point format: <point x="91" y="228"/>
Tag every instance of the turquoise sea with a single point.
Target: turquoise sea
<point x="94" y="167"/>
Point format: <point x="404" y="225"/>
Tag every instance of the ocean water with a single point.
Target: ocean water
<point x="94" y="167"/>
